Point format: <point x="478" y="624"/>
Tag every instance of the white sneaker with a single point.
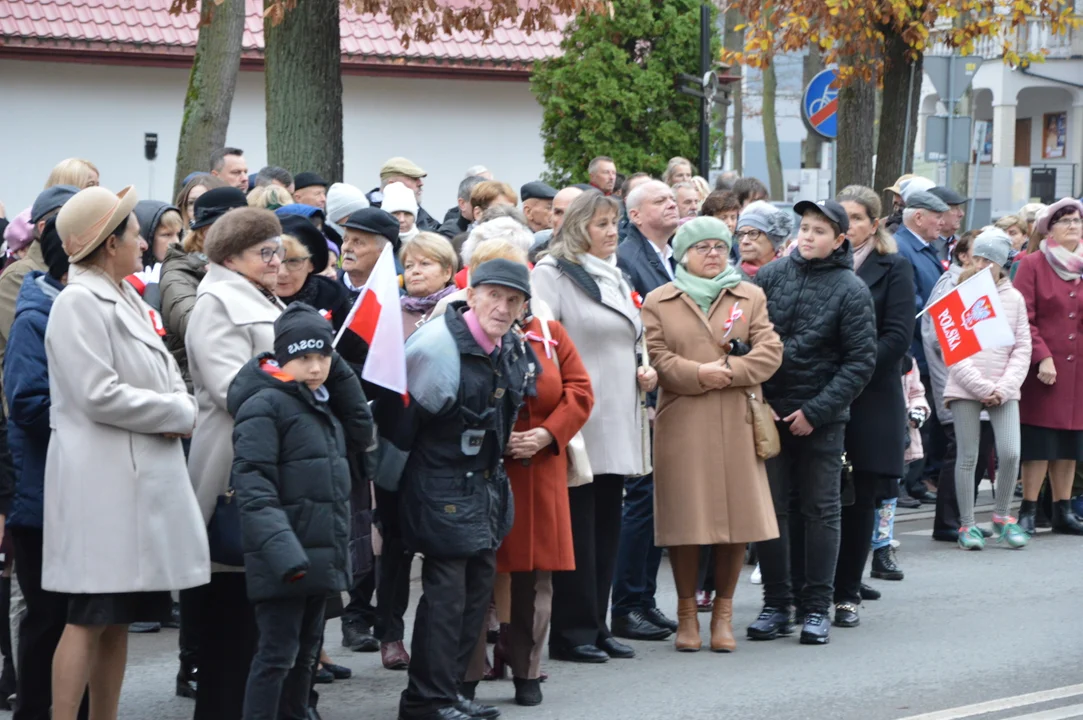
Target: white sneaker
<point x="757" y="576"/>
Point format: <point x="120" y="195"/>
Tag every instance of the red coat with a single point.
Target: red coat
<point x="541" y="537"/>
<point x="1055" y="311"/>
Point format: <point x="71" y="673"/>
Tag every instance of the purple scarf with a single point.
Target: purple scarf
<point x="424" y="305"/>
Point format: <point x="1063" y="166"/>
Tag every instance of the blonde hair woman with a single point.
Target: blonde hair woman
<point x="270" y="197"/>
<point x="74" y="171"/>
<point x="428" y="265"/>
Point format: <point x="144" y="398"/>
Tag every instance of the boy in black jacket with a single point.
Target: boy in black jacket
<point x="299" y="416"/>
<point x="824" y="314"/>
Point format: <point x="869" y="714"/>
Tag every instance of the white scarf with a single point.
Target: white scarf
<point x="615" y="291"/>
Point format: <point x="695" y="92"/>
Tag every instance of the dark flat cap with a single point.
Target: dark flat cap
<point x="537" y="190"/>
<point x="949" y="196"/>
<point x="829" y="208"/>
<point x="922" y="200"/>
<point x="51" y="199"/>
<point x="309" y="236"/>
<point x="308" y="179"/>
<point x="502" y="272"/>
<point x="215" y="203"/>
<point x="376" y="221"/>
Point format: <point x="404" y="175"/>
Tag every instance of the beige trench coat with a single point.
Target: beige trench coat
<point x="709" y="485"/>
<point x="120" y="515"/>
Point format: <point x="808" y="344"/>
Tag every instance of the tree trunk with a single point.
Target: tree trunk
<point x="857" y="113"/>
<point x="770" y="134"/>
<point x="304" y="89"/>
<point x="210" y="86"/>
<point x="813" y="152"/>
<point x="892" y="159"/>
<point x="735" y="40"/>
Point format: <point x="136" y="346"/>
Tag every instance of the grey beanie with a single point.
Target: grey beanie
<point x="992" y="244"/>
<point x="774" y="222"/>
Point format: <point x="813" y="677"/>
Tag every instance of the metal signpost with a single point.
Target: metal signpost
<point x="947" y="137"/>
<point x="820" y="111"/>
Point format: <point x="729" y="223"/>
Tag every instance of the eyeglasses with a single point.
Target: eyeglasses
<point x="295" y="263"/>
<point x="1069" y="222"/>
<point x="708" y="248"/>
<point x="750" y="234"/>
<point x="267" y="254"/>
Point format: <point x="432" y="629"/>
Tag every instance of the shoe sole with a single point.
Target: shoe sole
<point x="886" y="575"/>
<point x="582" y="661"/>
<point x="756" y="635"/>
<point x="662" y="635"/>
<point x="397" y="666"/>
<point x="814" y="639"/>
<point x="836" y="623"/>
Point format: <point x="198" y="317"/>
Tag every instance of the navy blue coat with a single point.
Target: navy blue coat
<point x="927" y="270"/>
<point x="26" y="384"/>
<point x="639" y="261"/>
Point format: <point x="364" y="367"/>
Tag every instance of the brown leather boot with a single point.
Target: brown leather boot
<point x="722" y="639"/>
<point x="688" y="639"/>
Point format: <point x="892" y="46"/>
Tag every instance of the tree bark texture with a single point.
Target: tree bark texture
<point x="857" y="115"/>
<point x="892" y="159"/>
<point x="304" y="89"/>
<point x="211" y="85"/>
<point x="813" y="151"/>
<point x="770" y="134"/>
<point x="735" y="40"/>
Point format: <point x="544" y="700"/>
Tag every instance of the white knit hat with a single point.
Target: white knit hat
<point x="342" y="201"/>
<point x="399" y="198"/>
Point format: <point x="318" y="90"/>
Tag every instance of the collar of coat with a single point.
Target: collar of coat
<point x="124" y="300"/>
<point x="670" y="291"/>
<point x="578" y="275"/>
<point x="242" y="301"/>
<point x="636" y="237"/>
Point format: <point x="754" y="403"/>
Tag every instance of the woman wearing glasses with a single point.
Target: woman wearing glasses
<point x="1051" y="409"/>
<point x="762" y="229"/>
<point x="231" y="323"/>
<point x="710" y="488"/>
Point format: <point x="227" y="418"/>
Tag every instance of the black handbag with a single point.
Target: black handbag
<point x="224" y="531"/>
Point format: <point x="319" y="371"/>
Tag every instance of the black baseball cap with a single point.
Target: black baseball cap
<point x="828" y="208"/>
<point x="215" y="203"/>
<point x="376" y="221"/>
<point x="537" y="190"/>
<point x="502" y="272"/>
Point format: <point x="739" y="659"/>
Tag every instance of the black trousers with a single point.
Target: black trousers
<point x="39" y="633"/>
<point x="290" y="631"/>
<point x="455" y="597"/>
<point x="947" y="504"/>
<point x="855" y="537"/>
<point x="581" y="596"/>
<point x="360" y="611"/>
<point x="193" y="614"/>
<point x="393" y="571"/>
<point x="227" y="645"/>
<point x="799" y="566"/>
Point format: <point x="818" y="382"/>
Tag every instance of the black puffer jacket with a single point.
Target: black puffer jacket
<point x="293" y="478"/>
<point x="823" y="312"/>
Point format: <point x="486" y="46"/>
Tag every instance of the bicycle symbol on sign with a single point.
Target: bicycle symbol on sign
<point x="829" y="96"/>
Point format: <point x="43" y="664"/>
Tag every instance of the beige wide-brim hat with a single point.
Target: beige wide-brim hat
<point x="90" y="217"/>
<point x="897" y="187"/>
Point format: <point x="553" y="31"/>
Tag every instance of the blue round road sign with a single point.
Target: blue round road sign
<point x="820" y="105"/>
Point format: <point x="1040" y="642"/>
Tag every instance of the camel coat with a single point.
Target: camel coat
<point x="709" y="485"/>
<point x="120" y="515"/>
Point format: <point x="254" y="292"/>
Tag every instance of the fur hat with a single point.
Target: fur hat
<point x="238" y="230"/>
<point x="773" y="222"/>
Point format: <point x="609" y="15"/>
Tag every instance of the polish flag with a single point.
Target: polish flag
<point x="970" y="319"/>
<point x="376" y="317"/>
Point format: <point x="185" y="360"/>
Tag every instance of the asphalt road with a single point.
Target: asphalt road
<point x="990" y="635"/>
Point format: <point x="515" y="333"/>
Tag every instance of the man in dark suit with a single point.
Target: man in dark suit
<point x="646" y="257"/>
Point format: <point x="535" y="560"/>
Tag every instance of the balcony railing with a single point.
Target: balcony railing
<point x="1035" y="36"/>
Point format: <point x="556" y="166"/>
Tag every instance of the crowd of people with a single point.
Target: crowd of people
<point x="596" y="374"/>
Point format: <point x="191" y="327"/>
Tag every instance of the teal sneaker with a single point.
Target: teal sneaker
<point x="971" y="538"/>
<point x="1008" y="531"/>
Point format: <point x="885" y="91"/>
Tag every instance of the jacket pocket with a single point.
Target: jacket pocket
<point x="450" y="516"/>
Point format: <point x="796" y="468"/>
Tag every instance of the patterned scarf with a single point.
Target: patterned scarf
<point x="1066" y="264"/>
<point x="424" y="305"/>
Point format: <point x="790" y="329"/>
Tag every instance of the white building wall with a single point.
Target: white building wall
<point x="101" y="112"/>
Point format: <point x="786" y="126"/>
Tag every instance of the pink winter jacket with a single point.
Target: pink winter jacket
<point x="914" y="392"/>
<point x="997" y="369"/>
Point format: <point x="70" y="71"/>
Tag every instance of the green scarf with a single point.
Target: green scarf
<point x="704" y="291"/>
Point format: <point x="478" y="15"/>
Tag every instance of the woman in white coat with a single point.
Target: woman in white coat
<point x="122" y="528"/>
<point x="232" y="322"/>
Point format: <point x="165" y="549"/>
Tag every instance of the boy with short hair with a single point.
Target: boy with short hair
<point x="824" y="314"/>
<point x="300" y="414"/>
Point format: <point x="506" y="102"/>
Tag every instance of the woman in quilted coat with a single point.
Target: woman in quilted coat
<point x="990" y="380"/>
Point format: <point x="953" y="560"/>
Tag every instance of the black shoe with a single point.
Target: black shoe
<point x="186" y="681"/>
<point x="444" y="713"/>
<point x="142" y="628"/>
<point x="579" y="654"/>
<point x="1065" y="521"/>
<point x="323" y="676"/>
<point x="338" y="672"/>
<point x="869" y="593"/>
<point x="656" y="617"/>
<point x="946" y="535"/>
<point x="527" y="692"/>
<point x="1027" y="510"/>
<point x="884" y="566"/>
<point x="468" y="707"/>
<point x="905" y="501"/>
<point x="635" y="626"/>
<point x="771" y="623"/>
<point x="815" y="630"/>
<point x="359" y="638"/>
<point x="845" y="616"/>
<point x="614" y="649"/>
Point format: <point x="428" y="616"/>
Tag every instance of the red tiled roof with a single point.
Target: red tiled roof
<point x="141" y="28"/>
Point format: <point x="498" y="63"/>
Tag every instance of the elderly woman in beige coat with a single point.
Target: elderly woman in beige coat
<point x="710" y="487"/>
<point x="232" y="322"/>
<point x="589" y="295"/>
<point x="121" y="525"/>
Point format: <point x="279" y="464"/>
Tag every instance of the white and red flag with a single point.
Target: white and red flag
<point x="376" y="318"/>
<point x="970" y="319"/>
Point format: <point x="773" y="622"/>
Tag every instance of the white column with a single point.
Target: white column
<point x="1004" y="135"/>
<point x="1074" y="151"/>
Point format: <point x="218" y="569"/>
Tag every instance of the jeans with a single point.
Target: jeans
<point x="883" y="529"/>
<point x="636" y="576"/>
<point x="290" y="632"/>
<point x="799" y="566"/>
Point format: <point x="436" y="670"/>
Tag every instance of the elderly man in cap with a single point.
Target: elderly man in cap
<point x="951" y="223"/>
<point x="538" y="205"/>
<point x="400" y="169"/>
<point x="919" y="230"/>
<point x="310" y="189"/>
<point x="47" y="205"/>
<point x="366" y="233"/>
<point x="468" y="373"/>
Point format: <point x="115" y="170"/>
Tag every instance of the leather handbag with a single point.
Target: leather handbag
<point x="764" y="430"/>
<point x="579" y="471"/>
<point x="224" y="531"/>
